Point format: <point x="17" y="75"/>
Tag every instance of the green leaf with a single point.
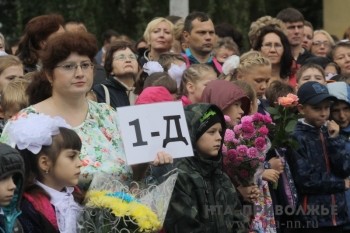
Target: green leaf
<point x="276" y="117"/>
<point x="272" y="111"/>
<point x="290" y="126"/>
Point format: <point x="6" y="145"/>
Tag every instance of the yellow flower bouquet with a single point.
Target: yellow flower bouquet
<point x="113" y="207"/>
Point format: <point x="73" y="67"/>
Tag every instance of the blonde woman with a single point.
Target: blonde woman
<point x="159" y="36"/>
<point x="322" y="43"/>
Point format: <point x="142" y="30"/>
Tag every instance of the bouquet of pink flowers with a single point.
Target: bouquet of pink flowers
<point x="245" y="147"/>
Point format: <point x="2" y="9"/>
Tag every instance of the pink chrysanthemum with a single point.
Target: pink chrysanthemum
<point x="263" y="130"/>
<point x="260" y="143"/>
<point x="229" y="135"/>
<point x="252" y="152"/>
<point x="242" y="150"/>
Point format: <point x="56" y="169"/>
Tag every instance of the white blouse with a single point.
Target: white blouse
<point x="67" y="210"/>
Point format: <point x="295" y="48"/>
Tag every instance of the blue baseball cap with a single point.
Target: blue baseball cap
<point x="313" y="93"/>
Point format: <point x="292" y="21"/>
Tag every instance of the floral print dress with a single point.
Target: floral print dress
<point x="102" y="148"/>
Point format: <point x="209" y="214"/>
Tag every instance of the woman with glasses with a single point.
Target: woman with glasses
<point x="273" y="44"/>
<point x="68" y="75"/>
<point x="340" y="54"/>
<point x="322" y="43"/>
<point x="122" y="67"/>
<point x="159" y="35"/>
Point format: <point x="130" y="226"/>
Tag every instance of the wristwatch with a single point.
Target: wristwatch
<point x="267" y="165"/>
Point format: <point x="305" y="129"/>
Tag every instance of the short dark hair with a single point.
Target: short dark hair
<point x="290" y="15"/>
<point x="115" y="46"/>
<point x="108" y="34"/>
<point x="201" y="16"/>
<point x="277" y="89"/>
<point x="62" y="45"/>
<point x="227" y="30"/>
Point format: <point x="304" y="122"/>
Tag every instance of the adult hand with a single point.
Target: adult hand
<point x="276" y="164"/>
<point x="162" y="158"/>
<point x="270" y="175"/>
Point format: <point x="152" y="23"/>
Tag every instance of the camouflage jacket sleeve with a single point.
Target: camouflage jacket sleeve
<point x="182" y="215"/>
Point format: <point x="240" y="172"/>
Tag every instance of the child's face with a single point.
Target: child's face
<point x="234" y="111"/>
<point x="330" y="71"/>
<point x="311" y="74"/>
<point x="341" y="114"/>
<point x="223" y="53"/>
<point x="209" y="144"/>
<point x="7" y="190"/>
<point x="9" y="74"/>
<point x="66" y="170"/>
<point x="195" y="89"/>
<point x="316" y="115"/>
<point x="258" y="77"/>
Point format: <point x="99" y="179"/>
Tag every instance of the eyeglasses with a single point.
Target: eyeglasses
<point x="319" y="43"/>
<point x="269" y="46"/>
<point x="72" y="67"/>
<point x="123" y="57"/>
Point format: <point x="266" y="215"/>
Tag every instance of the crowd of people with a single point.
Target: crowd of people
<point x="59" y="125"/>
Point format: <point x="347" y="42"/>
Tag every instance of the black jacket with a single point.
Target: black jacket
<point x="117" y="92"/>
<point x="319" y="167"/>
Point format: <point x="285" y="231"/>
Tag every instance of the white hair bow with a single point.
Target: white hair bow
<point x="33" y="131"/>
<point x="230" y="64"/>
<point x="152" y="67"/>
<point x="176" y="72"/>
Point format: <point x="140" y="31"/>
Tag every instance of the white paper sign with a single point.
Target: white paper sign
<point x="149" y="128"/>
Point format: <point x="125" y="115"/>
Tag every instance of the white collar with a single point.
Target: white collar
<point x="55" y="195"/>
<point x="67" y="210"/>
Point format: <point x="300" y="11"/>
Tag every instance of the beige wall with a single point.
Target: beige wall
<point x="336" y="16"/>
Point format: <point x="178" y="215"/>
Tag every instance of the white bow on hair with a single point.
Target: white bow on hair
<point x="152" y="67"/>
<point x="230" y="64"/>
<point x="176" y="72"/>
<point x="33" y="131"/>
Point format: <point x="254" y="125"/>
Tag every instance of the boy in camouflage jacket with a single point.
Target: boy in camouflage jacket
<point x="204" y="199"/>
